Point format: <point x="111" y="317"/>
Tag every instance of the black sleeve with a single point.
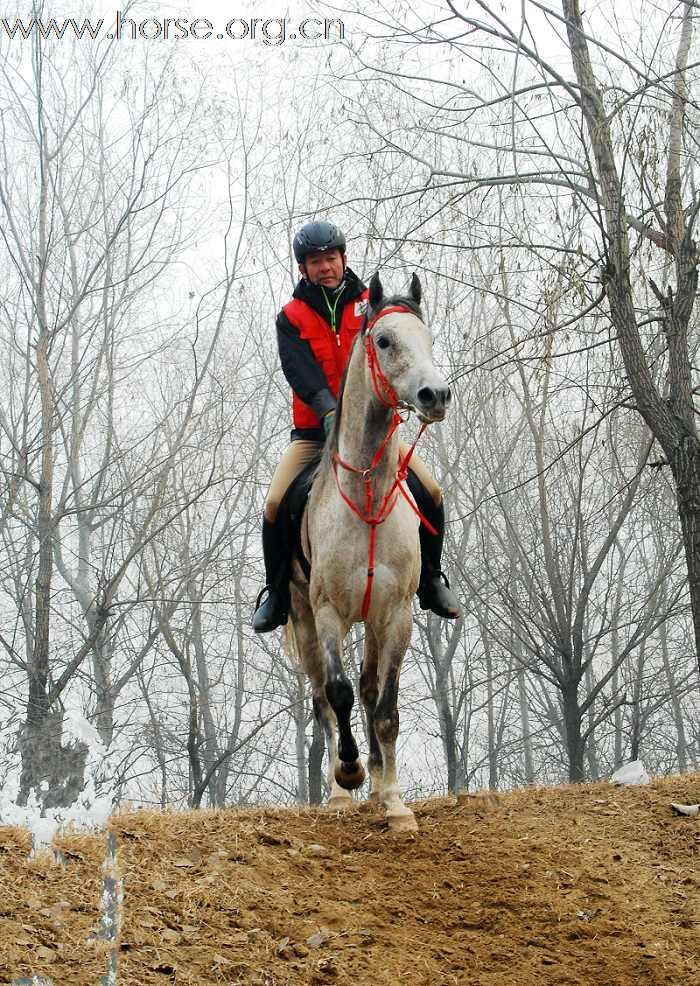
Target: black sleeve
<point x="304" y="375"/>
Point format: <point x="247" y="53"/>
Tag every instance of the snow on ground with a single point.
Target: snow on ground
<point x="90" y="811"/>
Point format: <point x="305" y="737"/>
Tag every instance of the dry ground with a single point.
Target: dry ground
<point x="589" y="885"/>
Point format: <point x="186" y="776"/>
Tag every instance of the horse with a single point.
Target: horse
<point x="360" y="534"/>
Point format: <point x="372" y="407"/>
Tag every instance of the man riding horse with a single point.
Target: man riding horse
<point x="315" y="333"/>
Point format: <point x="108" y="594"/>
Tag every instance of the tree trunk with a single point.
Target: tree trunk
<point x="300" y="717"/>
<point x="685" y="466"/>
<point x="491" y="726"/>
<point x="449" y="740"/>
<point x="318" y="742"/>
<point x="55" y="772"/>
<point x="681" y="742"/>
<point x="617" y="716"/>
<point x="158" y="745"/>
<point x="448" y="733"/>
<point x="528" y="767"/>
<point x="208" y="726"/>
<point x="44" y="759"/>
<point x="441" y="657"/>
<point x="637" y="710"/>
<point x="102" y="672"/>
<point x="671" y="419"/>
<point x="575" y="745"/>
<point x="591" y="755"/>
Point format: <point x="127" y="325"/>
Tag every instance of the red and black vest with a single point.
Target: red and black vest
<point x="330" y="348"/>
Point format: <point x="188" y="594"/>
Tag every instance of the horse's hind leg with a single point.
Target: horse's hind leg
<point x="393" y="644"/>
<point x="349" y="772"/>
<point x="369" y="694"/>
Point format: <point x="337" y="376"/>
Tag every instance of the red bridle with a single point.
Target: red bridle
<point x="387" y="396"/>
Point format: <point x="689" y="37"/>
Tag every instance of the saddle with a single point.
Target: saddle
<point x="291" y="512"/>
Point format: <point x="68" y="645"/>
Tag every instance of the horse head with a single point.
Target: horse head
<point x="399" y="345"/>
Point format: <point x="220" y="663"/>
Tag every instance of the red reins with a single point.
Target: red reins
<point x="378" y="378"/>
<point x="387" y="396"/>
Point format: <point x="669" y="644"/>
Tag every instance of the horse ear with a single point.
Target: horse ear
<point x="416" y="290"/>
<point x="376" y="292"/>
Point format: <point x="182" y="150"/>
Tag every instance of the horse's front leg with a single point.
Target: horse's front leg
<point x="349" y="772"/>
<point x="338" y="798"/>
<point x="393" y="643"/>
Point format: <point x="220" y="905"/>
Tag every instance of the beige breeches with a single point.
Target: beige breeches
<point x="300" y="453"/>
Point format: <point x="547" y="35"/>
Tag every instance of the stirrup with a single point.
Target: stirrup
<point x="265" y="588"/>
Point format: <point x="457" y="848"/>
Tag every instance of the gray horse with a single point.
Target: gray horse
<point x="360" y="533"/>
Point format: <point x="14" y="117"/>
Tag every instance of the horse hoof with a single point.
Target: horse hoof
<point x="340" y="802"/>
<point x="350" y="775"/>
<point x="402" y="823"/>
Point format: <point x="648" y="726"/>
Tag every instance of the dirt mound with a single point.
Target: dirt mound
<point x="583" y="885"/>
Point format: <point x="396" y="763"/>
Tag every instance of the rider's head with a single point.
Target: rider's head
<point x="319" y="248"/>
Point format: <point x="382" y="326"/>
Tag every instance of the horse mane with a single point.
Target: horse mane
<point x="331" y="446"/>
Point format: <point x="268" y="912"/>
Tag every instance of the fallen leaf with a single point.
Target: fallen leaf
<point x="165" y="968"/>
<point x="217" y="859"/>
<point x="269" y="839"/>
<point x="327" y="967"/>
<point x="45" y="954"/>
<point x="321" y="852"/>
<point x="685" y="809"/>
<point x="318" y="938"/>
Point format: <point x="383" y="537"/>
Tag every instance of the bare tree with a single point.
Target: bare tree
<point x="88" y="455"/>
<point x="622" y="148"/>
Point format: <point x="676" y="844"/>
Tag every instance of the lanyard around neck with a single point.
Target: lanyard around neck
<point x="332" y="308"/>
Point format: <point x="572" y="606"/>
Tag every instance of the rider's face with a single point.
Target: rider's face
<point x="324" y="268"/>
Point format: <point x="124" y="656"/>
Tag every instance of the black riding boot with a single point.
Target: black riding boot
<point x="273" y="612"/>
<point x="433" y="589"/>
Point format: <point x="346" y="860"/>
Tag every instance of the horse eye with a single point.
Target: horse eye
<point x="383" y="342"/>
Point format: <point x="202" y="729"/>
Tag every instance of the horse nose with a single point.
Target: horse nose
<point x="435" y="398"/>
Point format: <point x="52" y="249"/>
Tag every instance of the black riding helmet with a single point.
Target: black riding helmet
<point x="315" y="237"/>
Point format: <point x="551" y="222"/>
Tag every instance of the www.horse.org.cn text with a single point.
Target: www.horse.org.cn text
<point x="271" y="31"/>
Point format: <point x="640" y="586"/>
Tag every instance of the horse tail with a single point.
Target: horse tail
<point x="289" y="642"/>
